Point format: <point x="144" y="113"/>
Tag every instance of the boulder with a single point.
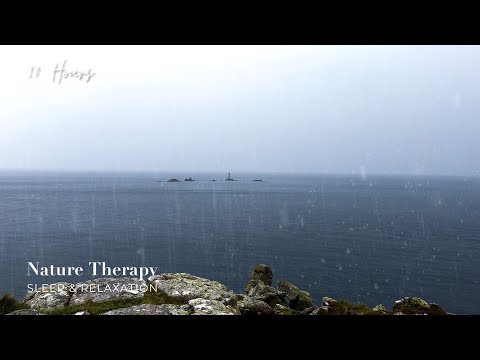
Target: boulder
<point x="181" y="287"/>
<point x="251" y="284"/>
<point x="239" y="297"/>
<point x="436" y="310"/>
<point x="283" y="310"/>
<point x="25" y="312"/>
<point x="211" y="307"/>
<point x="328" y="301"/>
<point x="53" y="296"/>
<point x="107" y="289"/>
<point x="308" y="310"/>
<point x="381" y="309"/>
<point x="261" y="289"/>
<point x="149" y="309"/>
<point x="267" y="294"/>
<point x="299" y="299"/>
<point x="416" y="306"/>
<point x="252" y="306"/>
<point x="263" y="273"/>
<point x="300" y="303"/>
<point x="320" y="311"/>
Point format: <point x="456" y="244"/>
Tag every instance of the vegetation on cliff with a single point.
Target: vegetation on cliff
<point x="186" y="294"/>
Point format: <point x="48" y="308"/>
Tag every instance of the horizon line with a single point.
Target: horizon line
<point x="272" y="172"/>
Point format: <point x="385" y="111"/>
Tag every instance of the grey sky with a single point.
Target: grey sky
<point x="328" y="109"/>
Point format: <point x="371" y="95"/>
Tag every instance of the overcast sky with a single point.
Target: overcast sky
<point x="313" y="109"/>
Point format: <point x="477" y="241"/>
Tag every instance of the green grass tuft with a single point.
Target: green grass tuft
<point x="8" y="304"/>
<point x="343" y="307"/>
<point x="96" y="308"/>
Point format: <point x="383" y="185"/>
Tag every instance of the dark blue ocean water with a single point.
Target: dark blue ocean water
<point x="370" y="240"/>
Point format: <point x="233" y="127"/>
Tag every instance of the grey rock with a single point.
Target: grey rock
<point x="299" y="299"/>
<point x="239" y="297"/>
<point x="211" y="307"/>
<point x="272" y="299"/>
<point x="301" y="303"/>
<point x="328" y="301"/>
<point x="263" y="273"/>
<point x="283" y="310"/>
<point x="149" y="309"/>
<point x="261" y="289"/>
<point x="251" y="284"/>
<point x="252" y="306"/>
<point x="380" y="308"/>
<point x="267" y="294"/>
<point x="107" y="289"/>
<point x="53" y="296"/>
<point x="183" y="287"/>
<point x="417" y="306"/>
<point x="25" y="312"/>
<point x="323" y="310"/>
<point x="436" y="310"/>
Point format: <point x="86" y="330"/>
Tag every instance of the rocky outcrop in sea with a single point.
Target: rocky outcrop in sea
<point x="186" y="294"/>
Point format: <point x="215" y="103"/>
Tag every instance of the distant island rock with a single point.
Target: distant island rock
<point x="173" y="180"/>
<point x="189" y="179"/>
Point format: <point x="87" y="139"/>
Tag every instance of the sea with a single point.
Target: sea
<point x="367" y="239"/>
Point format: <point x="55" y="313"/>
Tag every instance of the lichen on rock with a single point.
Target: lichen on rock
<point x="107" y="289"/>
<point x="252" y="306"/>
<point x="380" y="308"/>
<point x="284" y="310"/>
<point x="211" y="307"/>
<point x="183" y="287"/>
<point x="416" y="306"/>
<point x="323" y="310"/>
<point x="53" y="296"/>
<point x="267" y="294"/>
<point x="25" y="312"/>
<point x="328" y="301"/>
<point x="263" y="273"/>
<point x="150" y="309"/>
<point x="299" y="299"/>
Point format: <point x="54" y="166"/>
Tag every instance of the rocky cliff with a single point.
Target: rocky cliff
<point x="185" y="294"/>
